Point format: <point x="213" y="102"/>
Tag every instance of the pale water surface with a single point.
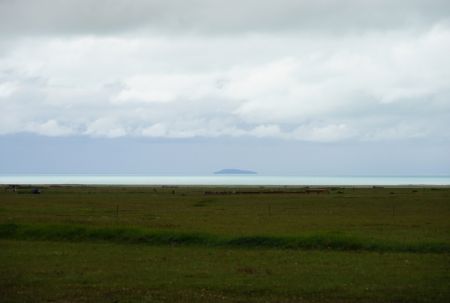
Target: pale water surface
<point x="220" y="180"/>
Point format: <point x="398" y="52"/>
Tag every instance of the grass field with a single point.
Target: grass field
<point x="172" y="244"/>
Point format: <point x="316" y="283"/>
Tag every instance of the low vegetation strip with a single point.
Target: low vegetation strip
<point x="326" y="241"/>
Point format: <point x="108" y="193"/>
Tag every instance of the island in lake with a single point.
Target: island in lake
<point x="234" y="171"/>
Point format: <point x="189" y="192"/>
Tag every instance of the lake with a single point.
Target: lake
<point x="223" y="180"/>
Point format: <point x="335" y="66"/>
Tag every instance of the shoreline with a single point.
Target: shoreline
<point x="302" y="186"/>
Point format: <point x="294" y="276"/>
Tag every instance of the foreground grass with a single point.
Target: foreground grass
<point x="34" y="271"/>
<point x="176" y="244"/>
<point x="328" y="241"/>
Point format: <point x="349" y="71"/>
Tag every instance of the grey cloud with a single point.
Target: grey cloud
<point x="23" y="17"/>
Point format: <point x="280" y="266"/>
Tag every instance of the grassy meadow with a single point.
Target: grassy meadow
<point x="248" y="244"/>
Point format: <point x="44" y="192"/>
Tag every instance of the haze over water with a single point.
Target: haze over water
<point x="224" y="180"/>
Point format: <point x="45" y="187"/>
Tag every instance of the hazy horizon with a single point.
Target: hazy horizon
<point x="31" y="154"/>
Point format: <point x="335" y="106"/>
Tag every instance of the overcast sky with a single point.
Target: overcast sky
<point x="268" y="74"/>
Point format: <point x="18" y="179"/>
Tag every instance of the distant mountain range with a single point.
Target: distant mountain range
<point x="234" y="171"/>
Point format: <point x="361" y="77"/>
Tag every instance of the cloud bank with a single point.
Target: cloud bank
<point x="295" y="70"/>
<point x="216" y="16"/>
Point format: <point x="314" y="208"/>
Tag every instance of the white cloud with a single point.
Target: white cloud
<point x="373" y="85"/>
<point x="156" y="130"/>
<point x="49" y="128"/>
<point x="263" y="131"/>
<point x="7" y="89"/>
<point x="327" y="133"/>
<point x="105" y="127"/>
<point x="166" y="88"/>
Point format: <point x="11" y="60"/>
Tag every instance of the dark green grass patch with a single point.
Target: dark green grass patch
<point x="49" y="271"/>
<point x="326" y="241"/>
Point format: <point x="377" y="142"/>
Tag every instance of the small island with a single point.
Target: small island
<point x="234" y="171"/>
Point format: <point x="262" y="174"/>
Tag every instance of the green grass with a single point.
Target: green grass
<point x="34" y="271"/>
<point x="141" y="236"/>
<point x="403" y="215"/>
<point x="176" y="244"/>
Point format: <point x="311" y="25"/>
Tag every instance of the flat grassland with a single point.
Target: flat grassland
<point x="224" y="244"/>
